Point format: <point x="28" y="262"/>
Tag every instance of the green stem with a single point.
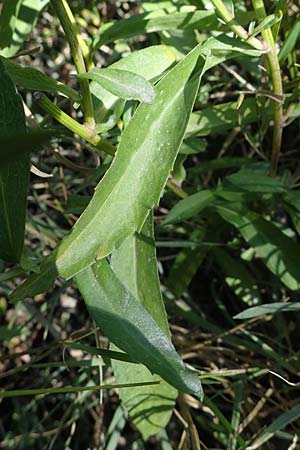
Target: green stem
<point x="68" y="389"/>
<point x="275" y="73"/>
<point x="74" y="126"/>
<point x="67" y="21"/>
<point x="229" y="18"/>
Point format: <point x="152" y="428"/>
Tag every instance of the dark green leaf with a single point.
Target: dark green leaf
<point x="14" y="174"/>
<point x="131" y="328"/>
<point x="134" y="263"/>
<point x="280" y="253"/>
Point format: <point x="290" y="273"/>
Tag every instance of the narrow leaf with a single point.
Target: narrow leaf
<point x="268" y="308"/>
<point x="280" y="253"/>
<point x="134" y="263"/>
<point x="14" y="174"/>
<point x="131" y="328"/>
<point x="122" y="83"/>
<point x="189" y="207"/>
<point x="34" y="79"/>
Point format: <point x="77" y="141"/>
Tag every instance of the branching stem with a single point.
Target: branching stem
<point x="73" y="125"/>
<point x="67" y="21"/>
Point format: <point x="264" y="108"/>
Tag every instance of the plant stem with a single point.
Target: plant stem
<point x="67" y="21"/>
<point x="229" y="18"/>
<point x="74" y="126"/>
<point x="275" y="73"/>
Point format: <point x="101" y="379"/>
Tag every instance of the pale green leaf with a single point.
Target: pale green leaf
<point x="268" y="308"/>
<point x="122" y="83"/>
<point x="149" y="63"/>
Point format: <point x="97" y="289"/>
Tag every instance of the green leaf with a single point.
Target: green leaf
<point x="122" y="83"/>
<point x="155" y="21"/>
<point x="125" y="321"/>
<point x="290" y="42"/>
<point x="249" y="180"/>
<point x="134" y="182"/>
<point x="280" y="423"/>
<point x="134" y="263"/>
<point x="280" y="253"/>
<point x="17" y="19"/>
<point x="21" y="143"/>
<point x="14" y="174"/>
<point x="268" y="308"/>
<point x="149" y="63"/>
<point x="187" y="263"/>
<point x="34" y="79"/>
<point x="219" y="118"/>
<point x="189" y="207"/>
<point x="238" y="277"/>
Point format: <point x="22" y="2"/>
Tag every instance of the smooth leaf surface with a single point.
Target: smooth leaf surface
<point x="125" y="321"/>
<point x="249" y="180"/>
<point x="33" y="79"/>
<point x="268" y="308"/>
<point x="122" y="83"/>
<point x="153" y="22"/>
<point x="14" y="174"/>
<point x="219" y="118"/>
<point x="134" y="263"/>
<point x="149" y="63"/>
<point x="280" y="253"/>
<point x="135" y="181"/>
<point x="136" y="178"/>
<point x="186" y="264"/>
<point x="189" y="207"/>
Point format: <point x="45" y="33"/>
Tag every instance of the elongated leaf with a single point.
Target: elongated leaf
<point x="14" y="174"/>
<point x="134" y="263"/>
<point x="219" y="118"/>
<point x="189" y="207"/>
<point x="155" y="21"/>
<point x="249" y="180"/>
<point x="161" y="20"/>
<point x="290" y="42"/>
<point x="16" y="22"/>
<point x="134" y="182"/>
<point x="122" y="83"/>
<point x="238" y="277"/>
<point x="268" y="308"/>
<point x="279" y="424"/>
<point x="131" y="328"/>
<point x="280" y="253"/>
<point x="34" y="79"/>
<point x="187" y="263"/>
